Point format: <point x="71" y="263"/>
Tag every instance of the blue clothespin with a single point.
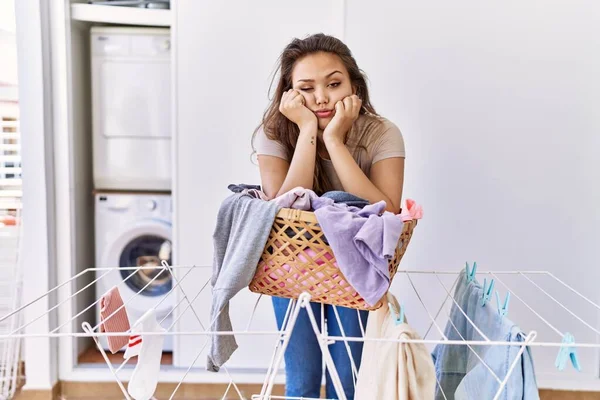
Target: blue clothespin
<point x="470" y="272"/>
<point x="398" y="318"/>
<point x="567" y="352"/>
<point x="487" y="292"/>
<point x="502" y="309"/>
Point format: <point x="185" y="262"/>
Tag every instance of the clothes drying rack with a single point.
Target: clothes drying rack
<point x="563" y="345"/>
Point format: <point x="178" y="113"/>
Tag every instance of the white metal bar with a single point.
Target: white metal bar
<point x="278" y="343"/>
<point x="347" y="346"/>
<point x="253" y="312"/>
<point x="562" y="305"/>
<point x="425" y="307"/>
<point x="322" y="340"/>
<point x="286" y="339"/>
<point x="441" y="307"/>
<point x="42" y="296"/>
<point x="163" y="269"/>
<point x="62" y="302"/>
<point x="469" y="345"/>
<point x="461" y="310"/>
<point x="574" y="291"/>
<point x="527" y="305"/>
<point x="432" y="272"/>
<point x="177" y="284"/>
<point x="86" y="327"/>
<point x="530" y="337"/>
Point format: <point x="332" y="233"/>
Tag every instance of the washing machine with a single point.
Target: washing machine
<point x="131" y="108"/>
<point x="134" y="230"/>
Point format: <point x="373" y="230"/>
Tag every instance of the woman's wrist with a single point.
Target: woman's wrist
<point x="332" y="141"/>
<point x="309" y="128"/>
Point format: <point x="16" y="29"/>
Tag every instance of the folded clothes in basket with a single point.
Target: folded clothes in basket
<point x="302" y="199"/>
<point x="363" y="241"/>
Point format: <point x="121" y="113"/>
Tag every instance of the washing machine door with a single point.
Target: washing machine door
<point x="145" y="244"/>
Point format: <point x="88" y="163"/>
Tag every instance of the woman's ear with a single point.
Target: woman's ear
<point x="354" y="89"/>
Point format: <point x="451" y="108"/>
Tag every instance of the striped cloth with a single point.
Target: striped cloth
<point x="109" y="303"/>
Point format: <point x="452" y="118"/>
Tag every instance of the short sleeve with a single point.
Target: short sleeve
<point x="390" y="144"/>
<point x="267" y="147"/>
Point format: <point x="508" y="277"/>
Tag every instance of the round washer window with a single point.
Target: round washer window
<point x="147" y="251"/>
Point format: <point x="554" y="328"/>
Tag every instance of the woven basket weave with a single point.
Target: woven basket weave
<point x="297" y="258"/>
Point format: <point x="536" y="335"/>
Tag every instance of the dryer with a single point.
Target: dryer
<point x="131" y="108"/>
<point x="135" y="230"/>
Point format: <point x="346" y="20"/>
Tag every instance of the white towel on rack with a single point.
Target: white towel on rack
<point x="392" y="370"/>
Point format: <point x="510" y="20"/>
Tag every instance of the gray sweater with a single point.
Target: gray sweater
<point x="243" y="226"/>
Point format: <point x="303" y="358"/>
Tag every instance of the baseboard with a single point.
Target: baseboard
<point x="546" y="394"/>
<point x="204" y="391"/>
<point x="110" y="391"/>
<point x="50" y="394"/>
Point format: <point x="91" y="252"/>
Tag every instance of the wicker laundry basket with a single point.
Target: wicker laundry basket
<point x="297" y="258"/>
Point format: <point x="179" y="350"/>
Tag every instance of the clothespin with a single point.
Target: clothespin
<point x="502" y="309"/>
<point x="567" y="352"/>
<point x="470" y="272"/>
<point x="398" y="316"/>
<point x="487" y="292"/>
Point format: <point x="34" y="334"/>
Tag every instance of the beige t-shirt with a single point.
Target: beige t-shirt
<point x="381" y="138"/>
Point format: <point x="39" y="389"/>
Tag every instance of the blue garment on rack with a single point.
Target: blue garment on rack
<point x="460" y="373"/>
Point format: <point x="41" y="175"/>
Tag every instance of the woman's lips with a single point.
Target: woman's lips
<point x="324" y="113"/>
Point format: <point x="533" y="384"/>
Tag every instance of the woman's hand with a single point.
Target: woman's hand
<point x="346" y="112"/>
<point x="292" y="106"/>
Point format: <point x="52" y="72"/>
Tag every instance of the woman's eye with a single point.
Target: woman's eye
<point x="334" y="84"/>
<point x="306" y="89"/>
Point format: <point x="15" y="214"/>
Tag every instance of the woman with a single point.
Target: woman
<point x="321" y="132"/>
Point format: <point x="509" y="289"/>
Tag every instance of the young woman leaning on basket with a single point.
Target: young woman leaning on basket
<point x="321" y="132"/>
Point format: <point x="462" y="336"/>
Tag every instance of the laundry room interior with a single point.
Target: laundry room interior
<point x="152" y="108"/>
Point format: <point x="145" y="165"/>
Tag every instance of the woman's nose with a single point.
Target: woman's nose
<point x="321" y="97"/>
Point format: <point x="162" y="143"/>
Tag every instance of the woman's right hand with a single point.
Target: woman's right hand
<point x="292" y="106"/>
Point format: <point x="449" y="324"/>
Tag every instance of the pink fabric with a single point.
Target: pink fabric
<point x="117" y="322"/>
<point x="297" y="198"/>
<point x="411" y="211"/>
<point x="314" y="280"/>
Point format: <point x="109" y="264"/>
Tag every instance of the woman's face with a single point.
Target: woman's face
<point x="323" y="80"/>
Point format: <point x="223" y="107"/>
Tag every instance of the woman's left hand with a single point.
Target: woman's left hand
<point x="346" y="112"/>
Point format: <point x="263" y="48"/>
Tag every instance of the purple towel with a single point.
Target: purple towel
<point x="363" y="241"/>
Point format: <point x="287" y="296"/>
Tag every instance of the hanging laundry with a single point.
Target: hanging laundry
<point x="460" y="372"/>
<point x="393" y="370"/>
<point x="242" y="229"/>
<point x="134" y="344"/>
<point x="113" y="318"/>
<point x="144" y="379"/>
<point x="363" y="241"/>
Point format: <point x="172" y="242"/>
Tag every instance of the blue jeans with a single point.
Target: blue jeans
<point x="461" y="373"/>
<point x="303" y="365"/>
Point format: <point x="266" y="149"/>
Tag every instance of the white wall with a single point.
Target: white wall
<point x="33" y="51"/>
<point x="498" y="105"/>
<point x="226" y="52"/>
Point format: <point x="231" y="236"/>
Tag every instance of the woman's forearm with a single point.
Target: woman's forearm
<point x="302" y="168"/>
<point x="352" y="177"/>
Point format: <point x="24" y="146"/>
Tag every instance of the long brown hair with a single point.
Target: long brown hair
<point x="277" y="127"/>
